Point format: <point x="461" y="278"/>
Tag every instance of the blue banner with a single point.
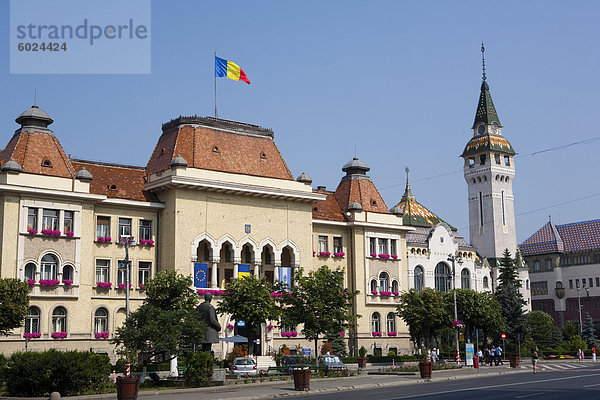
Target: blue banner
<point x="243" y="270"/>
<point x="200" y="275"/>
<point x="285" y="275"/>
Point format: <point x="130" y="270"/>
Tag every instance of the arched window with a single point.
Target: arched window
<point x="67" y="273"/>
<point x="101" y="320"/>
<point x="442" y="277"/>
<point x="395" y="286"/>
<point x="419" y="281"/>
<point x="559" y="285"/>
<point x="59" y="320"/>
<point x="30" y="271"/>
<point x="391" y="322"/>
<point x="376" y="322"/>
<point x="32" y="321"/>
<point x="384" y="282"/>
<point x="485" y="282"/>
<point x="373" y="285"/>
<point x="465" y="279"/>
<point x="49" y="265"/>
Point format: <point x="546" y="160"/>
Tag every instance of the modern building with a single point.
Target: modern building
<point x="564" y="266"/>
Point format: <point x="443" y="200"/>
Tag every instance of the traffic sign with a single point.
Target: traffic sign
<point x="503" y="336"/>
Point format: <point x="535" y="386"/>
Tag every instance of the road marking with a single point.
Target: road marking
<point x="528" y="395"/>
<point x="595" y="384"/>
<point x="490" y="387"/>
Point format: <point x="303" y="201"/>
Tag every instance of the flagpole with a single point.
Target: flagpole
<point x="215" y="74"/>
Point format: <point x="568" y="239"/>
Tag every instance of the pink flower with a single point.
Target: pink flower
<point x="373" y="255"/>
<point x="31" y="282"/>
<point x="104" y="285"/>
<point x="107" y="239"/>
<point x="386" y="256"/>
<point x="324" y="254"/>
<point x="374" y="292"/>
<point x="49" y="282"/>
<point x="339" y="255"/>
<point x="122" y="286"/>
<point x="32" y="231"/>
<point x="396" y="293"/>
<point x="149" y="242"/>
<point x="230" y="326"/>
<point x="67" y="282"/>
<point x="376" y="333"/>
<point x="385" y="293"/>
<point x="102" y="335"/>
<point x="33" y="335"/>
<point x="342" y="334"/>
<point x="69" y="234"/>
<point x="294" y="334"/>
<point x="394" y="256"/>
<point x="392" y="333"/>
<point x="59" y="335"/>
<point x="100" y="239"/>
<point x="270" y="327"/>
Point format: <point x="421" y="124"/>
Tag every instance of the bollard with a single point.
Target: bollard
<point x="114" y="377"/>
<point x="475" y="362"/>
<point x="55" y="396"/>
<point x="128" y="369"/>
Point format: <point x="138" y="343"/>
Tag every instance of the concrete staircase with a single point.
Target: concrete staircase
<point x="264" y="362"/>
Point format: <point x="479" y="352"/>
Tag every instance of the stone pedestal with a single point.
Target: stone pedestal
<point x="218" y="377"/>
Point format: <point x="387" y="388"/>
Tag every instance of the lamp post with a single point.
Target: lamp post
<point x="128" y="241"/>
<point x="455" y="259"/>
<point x="579" y="304"/>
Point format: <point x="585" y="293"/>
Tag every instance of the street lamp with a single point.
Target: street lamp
<point x="128" y="241"/>
<point x="579" y="304"/>
<point x="454" y="259"/>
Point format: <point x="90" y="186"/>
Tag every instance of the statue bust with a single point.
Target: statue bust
<point x="209" y="316"/>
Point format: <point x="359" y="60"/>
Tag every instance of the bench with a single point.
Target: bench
<point x="281" y="370"/>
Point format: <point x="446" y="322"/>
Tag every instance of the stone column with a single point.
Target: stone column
<point x="236" y="270"/>
<point x="213" y="276"/>
<point x="257" y="270"/>
<point x="276" y="273"/>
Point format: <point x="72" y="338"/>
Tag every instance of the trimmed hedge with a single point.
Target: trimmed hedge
<point x="69" y="373"/>
<point x="382" y="359"/>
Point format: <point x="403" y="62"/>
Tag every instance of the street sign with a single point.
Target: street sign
<point x="306" y="351"/>
<point x="470" y="353"/>
<point x="503" y="336"/>
<point x="241" y="323"/>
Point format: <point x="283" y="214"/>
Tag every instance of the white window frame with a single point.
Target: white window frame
<point x="105" y="277"/>
<point x="144" y="273"/>
<point x="390" y="322"/>
<point x="100" y="321"/>
<point x="59" y="322"/>
<point x="323" y="243"/>
<point x="376" y="322"/>
<point x="124" y="227"/>
<point x="50" y="221"/>
<point x="382" y="246"/>
<point x="32" y="321"/>
<point x="145" y="231"/>
<point x="48" y="270"/>
<point x="121" y="268"/>
<point x="103" y="230"/>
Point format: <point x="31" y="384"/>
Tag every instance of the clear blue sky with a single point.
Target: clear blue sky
<point x="397" y="80"/>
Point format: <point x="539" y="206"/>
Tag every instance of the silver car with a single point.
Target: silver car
<point x="244" y="366"/>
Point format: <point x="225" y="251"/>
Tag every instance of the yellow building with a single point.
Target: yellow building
<point x="215" y="195"/>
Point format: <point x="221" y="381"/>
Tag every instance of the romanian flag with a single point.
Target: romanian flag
<point x="229" y="69"/>
<point x="200" y="275"/>
<point x="243" y="270"/>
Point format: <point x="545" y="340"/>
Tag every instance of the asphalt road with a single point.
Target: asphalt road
<point x="577" y="384"/>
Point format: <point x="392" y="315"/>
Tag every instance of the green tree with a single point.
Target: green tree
<point x="476" y="311"/>
<point x="14" y="303"/>
<point x="511" y="300"/>
<point x="569" y="329"/>
<point x="588" y="333"/>
<point x="541" y="328"/>
<point x="249" y="300"/>
<point x="167" y="323"/>
<point x="425" y="314"/>
<point x="320" y="302"/>
<point x="338" y="344"/>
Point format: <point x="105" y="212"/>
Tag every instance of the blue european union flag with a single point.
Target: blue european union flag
<point x="200" y="275"/>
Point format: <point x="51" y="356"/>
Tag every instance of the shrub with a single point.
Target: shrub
<point x="70" y="373"/>
<point x="199" y="368"/>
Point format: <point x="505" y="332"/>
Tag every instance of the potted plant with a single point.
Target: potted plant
<point x="362" y="357"/>
<point x="513" y="355"/>
<point x="424" y="364"/>
<point x="302" y="374"/>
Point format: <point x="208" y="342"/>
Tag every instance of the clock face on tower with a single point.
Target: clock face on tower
<point x="481" y="129"/>
<point x="494" y="129"/>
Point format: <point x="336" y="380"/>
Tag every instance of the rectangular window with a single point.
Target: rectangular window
<point x="383" y="246"/>
<point x="68" y="221"/>
<point x="393" y="247"/>
<point x="503" y="216"/>
<point x="471" y="162"/>
<point x="337" y="245"/>
<point x="50" y="220"/>
<point x="482" y="159"/>
<point x="548" y="265"/>
<point x="323" y="244"/>
<point x="583" y="282"/>
<point x="591" y="281"/>
<point x="372" y="245"/>
<point x="144" y="268"/>
<point x="497" y="157"/>
<point x="507" y="161"/>
<point x="124" y="227"/>
<point x="597" y="282"/>
<point x="102" y="270"/>
<point x="539" y="288"/>
<point x="480" y="209"/>
<point x="145" y="230"/>
<point x="536" y="266"/>
<point x="121" y="276"/>
<point x="32" y="218"/>
<point x="576" y="283"/>
<point x="570" y="283"/>
<point x="102" y="226"/>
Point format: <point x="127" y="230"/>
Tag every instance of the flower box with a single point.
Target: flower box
<point x="59" y="335"/>
<point x="396" y="293"/>
<point x="374" y="292"/>
<point x="122" y="286"/>
<point x="392" y="333"/>
<point x="32" y="231"/>
<point x="141" y="286"/>
<point x="376" y="333"/>
<point x="373" y="255"/>
<point x="49" y="282"/>
<point x="31" y="282"/>
<point x="50" y="232"/>
<point x="384" y="256"/>
<point x="395" y="256"/>
<point x="67" y="282"/>
<point x="146" y="242"/>
<point x="122" y="240"/>
<point x="32" y="335"/>
<point x="69" y="234"/>
<point x="339" y="255"/>
<point x="270" y="327"/>
<point x="289" y="334"/>
<point x="104" y="239"/>
<point x="314" y="253"/>
<point x="324" y="254"/>
<point x="230" y="327"/>
<point x="104" y="285"/>
<point x="385" y="293"/>
<point x="102" y="335"/>
<point x="214" y="292"/>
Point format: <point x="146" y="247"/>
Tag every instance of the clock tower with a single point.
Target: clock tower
<point x="489" y="170"/>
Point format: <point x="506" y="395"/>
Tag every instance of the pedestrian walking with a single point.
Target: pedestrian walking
<point x="492" y="355"/>
<point x="580" y="355"/>
<point x="486" y="355"/>
<point x="434" y="356"/>
<point x="499" y="355"/>
<point x="534" y="359"/>
<point x="594" y="354"/>
<point x="480" y="356"/>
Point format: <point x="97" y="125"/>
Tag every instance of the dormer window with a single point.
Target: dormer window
<point x="471" y="162"/>
<point x="215" y="149"/>
<point x="263" y="155"/>
<point x="113" y="187"/>
<point x="162" y="151"/>
<point x="47" y="163"/>
<point x="373" y="202"/>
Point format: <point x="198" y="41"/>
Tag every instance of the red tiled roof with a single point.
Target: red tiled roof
<point x="364" y="192"/>
<point x="206" y="147"/>
<point x="34" y="150"/>
<point x="328" y="209"/>
<point x="116" y="181"/>
<point x="551" y="238"/>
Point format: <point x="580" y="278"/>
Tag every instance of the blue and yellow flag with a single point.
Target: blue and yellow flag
<point x="200" y="275"/>
<point x="243" y="270"/>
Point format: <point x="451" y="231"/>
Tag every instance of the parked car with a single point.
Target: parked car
<point x="244" y="366"/>
<point x="292" y="362"/>
<point x="332" y="363"/>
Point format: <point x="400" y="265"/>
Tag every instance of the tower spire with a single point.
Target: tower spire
<point x="407" y="192"/>
<point x="483" y="60"/>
